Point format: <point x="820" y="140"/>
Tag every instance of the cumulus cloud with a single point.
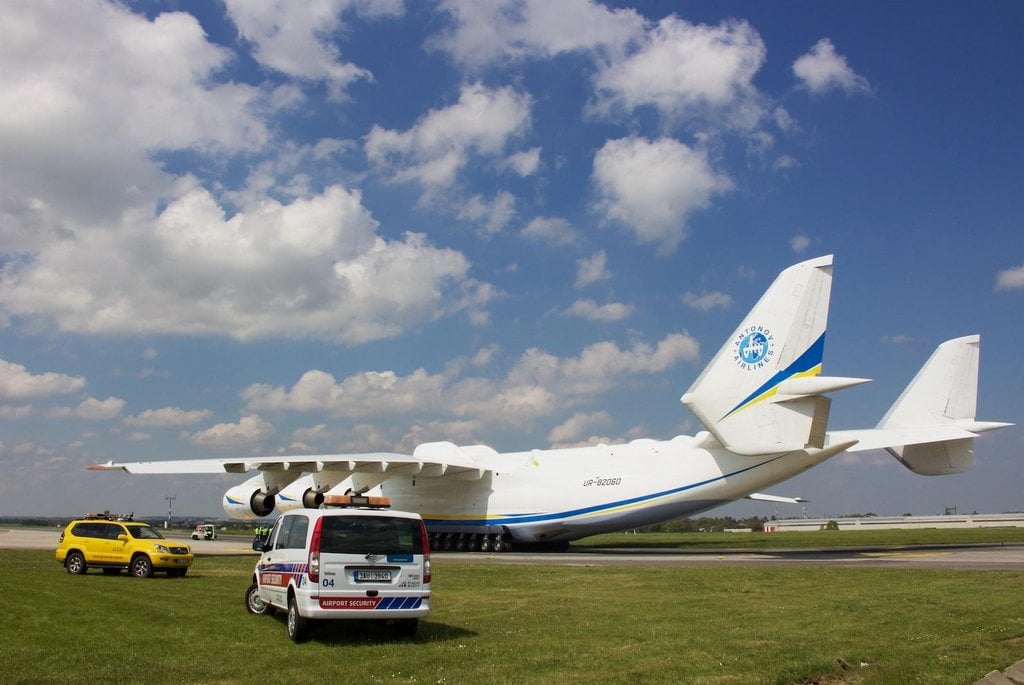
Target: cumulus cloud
<point x="90" y="409"/>
<point x="167" y="416"/>
<point x="604" y="313"/>
<point x="823" y="69"/>
<point x="524" y="163"/>
<point x="592" y="269"/>
<point x="18" y="384"/>
<point x="799" y="243"/>
<point x="293" y="38"/>
<point x="552" y="230"/>
<point x="310" y="268"/>
<point x="492" y="216"/>
<point x="439" y="145"/>
<point x="485" y="33"/>
<point x="689" y="71"/>
<point x="653" y="187"/>
<point x="537" y="385"/>
<point x="705" y="302"/>
<point x="1011" y="279"/>
<point x="250" y="431"/>
<point x="576" y="427"/>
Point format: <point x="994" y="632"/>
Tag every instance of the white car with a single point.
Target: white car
<point x="353" y="560"/>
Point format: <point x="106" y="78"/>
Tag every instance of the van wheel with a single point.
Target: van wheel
<point x="297" y="626"/>
<point x="141" y="567"/>
<point x="253" y="603"/>
<point x="406" y="627"/>
<point x="75" y="564"/>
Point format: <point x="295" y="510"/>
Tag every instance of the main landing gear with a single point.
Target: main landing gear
<point x="471" y="542"/>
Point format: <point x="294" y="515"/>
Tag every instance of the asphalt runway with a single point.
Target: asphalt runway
<point x="1007" y="557"/>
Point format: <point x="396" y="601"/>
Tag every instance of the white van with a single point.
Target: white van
<point x="354" y="559"/>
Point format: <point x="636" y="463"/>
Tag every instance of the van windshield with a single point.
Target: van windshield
<point x="370" y="535"/>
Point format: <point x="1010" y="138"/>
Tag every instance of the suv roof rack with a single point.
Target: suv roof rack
<point x="107" y="516"/>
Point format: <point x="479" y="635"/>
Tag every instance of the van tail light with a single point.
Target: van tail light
<point x="314" y="553"/>
<point x="426" y="552"/>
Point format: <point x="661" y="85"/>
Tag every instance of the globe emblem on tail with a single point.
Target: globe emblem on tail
<point x="753" y="348"/>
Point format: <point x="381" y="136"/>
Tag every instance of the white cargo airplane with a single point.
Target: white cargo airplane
<point x="761" y="399"/>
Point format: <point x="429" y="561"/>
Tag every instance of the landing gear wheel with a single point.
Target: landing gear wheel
<point x="297" y="626"/>
<point x="141" y="567"/>
<point x="254" y="604"/>
<point x="75" y="564"/>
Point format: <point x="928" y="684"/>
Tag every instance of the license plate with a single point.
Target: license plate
<point x="181" y="561"/>
<point x="372" y="576"/>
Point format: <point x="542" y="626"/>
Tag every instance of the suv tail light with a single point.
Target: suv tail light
<point x="314" y="553"/>
<point x="426" y="552"/>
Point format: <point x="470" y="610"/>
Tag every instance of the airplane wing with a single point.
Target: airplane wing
<point x="453" y="464"/>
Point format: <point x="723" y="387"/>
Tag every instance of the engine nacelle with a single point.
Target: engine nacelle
<point x="248" y="502"/>
<point x="305" y="493"/>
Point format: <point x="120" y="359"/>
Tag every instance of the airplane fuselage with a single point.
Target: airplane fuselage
<point x="567" y="494"/>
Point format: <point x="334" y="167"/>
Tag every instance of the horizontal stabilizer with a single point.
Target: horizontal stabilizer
<point x="761" y="497"/>
<point x="931" y="428"/>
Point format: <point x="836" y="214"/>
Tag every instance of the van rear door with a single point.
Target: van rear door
<point x="372" y="563"/>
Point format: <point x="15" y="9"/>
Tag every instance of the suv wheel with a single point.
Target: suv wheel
<point x="254" y="604"/>
<point x="75" y="563"/>
<point x="297" y="626"/>
<point x="141" y="567"/>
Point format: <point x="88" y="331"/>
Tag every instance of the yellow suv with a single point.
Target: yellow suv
<point x="113" y="544"/>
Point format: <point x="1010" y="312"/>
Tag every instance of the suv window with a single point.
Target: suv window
<point x="378" y="535"/>
<point x="110" y="531"/>
<point x="145" y="532"/>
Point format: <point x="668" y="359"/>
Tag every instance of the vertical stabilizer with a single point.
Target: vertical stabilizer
<point x="749" y="396"/>
<point x="944" y="392"/>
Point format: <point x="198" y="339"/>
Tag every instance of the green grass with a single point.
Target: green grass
<point x="503" y="623"/>
<point x="806" y="539"/>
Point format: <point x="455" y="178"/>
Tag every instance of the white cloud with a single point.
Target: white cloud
<point x="707" y="301"/>
<point x="590" y="270"/>
<point x="167" y="416"/>
<point x="311" y="268"/>
<point x="438" y="146"/>
<point x="604" y="313"/>
<point x="538" y="385"/>
<point x="551" y="230"/>
<point x="653" y="187"/>
<point x="524" y="163"/>
<point x="1011" y="279"/>
<point x="576" y="427"/>
<point x="90" y="409"/>
<point x="689" y="71"/>
<point x="799" y="243"/>
<point x="17" y="383"/>
<point x="250" y="431"/>
<point x="293" y="38"/>
<point x="485" y="33"/>
<point x="79" y="124"/>
<point x="823" y="69"/>
<point x="490" y="217"/>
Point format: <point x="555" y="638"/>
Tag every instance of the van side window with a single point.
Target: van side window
<point x="284" y="526"/>
<point x="297" y="534"/>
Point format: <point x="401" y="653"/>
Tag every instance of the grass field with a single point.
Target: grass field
<point x="805" y="539"/>
<point x="523" y="624"/>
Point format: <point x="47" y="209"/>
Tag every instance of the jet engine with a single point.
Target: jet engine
<point x="255" y="498"/>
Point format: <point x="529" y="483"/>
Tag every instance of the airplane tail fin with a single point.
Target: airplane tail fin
<point x="931" y="427"/>
<point x="762" y="392"/>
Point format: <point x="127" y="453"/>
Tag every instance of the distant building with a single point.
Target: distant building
<point x="898" y="522"/>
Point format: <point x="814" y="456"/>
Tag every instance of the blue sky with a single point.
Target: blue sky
<point x="352" y="226"/>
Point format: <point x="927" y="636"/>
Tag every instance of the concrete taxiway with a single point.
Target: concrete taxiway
<point x="1004" y="557"/>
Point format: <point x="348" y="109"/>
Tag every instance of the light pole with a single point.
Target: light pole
<point x="169" y="498"/>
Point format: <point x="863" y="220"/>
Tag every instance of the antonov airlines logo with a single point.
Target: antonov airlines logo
<point x="754" y="348"/>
